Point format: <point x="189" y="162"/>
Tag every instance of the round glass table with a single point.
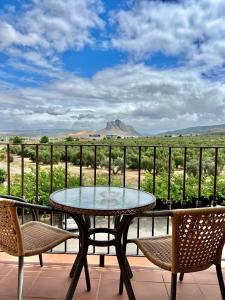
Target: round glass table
<point x="83" y="202"/>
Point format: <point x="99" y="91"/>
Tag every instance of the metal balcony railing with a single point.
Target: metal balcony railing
<point x="195" y="172"/>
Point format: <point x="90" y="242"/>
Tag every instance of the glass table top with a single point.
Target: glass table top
<point x="101" y="199"/>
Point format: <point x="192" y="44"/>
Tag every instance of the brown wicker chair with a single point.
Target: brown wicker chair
<point x="32" y="238"/>
<point x="196" y="243"/>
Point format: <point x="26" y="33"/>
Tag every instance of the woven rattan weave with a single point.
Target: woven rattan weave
<point x="197" y="241"/>
<point x="29" y="239"/>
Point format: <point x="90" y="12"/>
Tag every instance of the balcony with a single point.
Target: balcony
<point x="149" y="282"/>
<point x="36" y="170"/>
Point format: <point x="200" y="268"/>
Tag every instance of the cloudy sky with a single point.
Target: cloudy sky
<point x="75" y="64"/>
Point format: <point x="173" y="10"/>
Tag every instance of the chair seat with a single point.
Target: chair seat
<point x="39" y="237"/>
<point x="157" y="249"/>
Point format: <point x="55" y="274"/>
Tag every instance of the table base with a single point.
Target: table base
<point x="120" y="237"/>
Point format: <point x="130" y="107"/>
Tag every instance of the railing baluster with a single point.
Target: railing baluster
<point x="153" y="186"/>
<point x="199" y="202"/>
<point x="215" y="178"/>
<point x="168" y="190"/>
<point x="183" y="201"/>
<point x="154" y="170"/>
<point x="66" y="166"/>
<point x="124" y="165"/>
<point x="139" y="186"/>
<point x="65" y="185"/>
<point x="81" y="163"/>
<point x="95" y="163"/>
<point x="139" y="167"/>
<point x="22" y="170"/>
<point x="37" y="174"/>
<point x="8" y="169"/>
<point x="51" y="168"/>
<point x="110" y="162"/>
<point x="22" y="177"/>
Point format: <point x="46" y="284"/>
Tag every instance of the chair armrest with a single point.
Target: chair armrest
<point x="35" y="206"/>
<point x="11" y="197"/>
<point x="156" y="213"/>
<point x="21" y="203"/>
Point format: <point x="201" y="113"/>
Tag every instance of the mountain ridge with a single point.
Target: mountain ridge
<point x="204" y="129"/>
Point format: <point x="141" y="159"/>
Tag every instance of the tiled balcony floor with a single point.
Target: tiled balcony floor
<point x="52" y="281"/>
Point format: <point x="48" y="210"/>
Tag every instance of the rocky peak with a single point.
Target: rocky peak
<point x="117" y="127"/>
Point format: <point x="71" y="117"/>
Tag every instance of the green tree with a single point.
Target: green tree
<point x="44" y="139"/>
<point x="44" y="184"/>
<point x="69" y="139"/>
<point x="2" y="175"/>
<point x="16" y="140"/>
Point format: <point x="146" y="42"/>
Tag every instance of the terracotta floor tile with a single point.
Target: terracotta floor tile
<point x="205" y="277"/>
<point x="52" y="281"/>
<point x="8" y="298"/>
<point x="150" y="290"/>
<point x="188" y="292"/>
<point x="110" y="273"/>
<point x="94" y="272"/>
<point x="9" y="285"/>
<point x="53" y="270"/>
<point x="82" y="293"/>
<point x="109" y="289"/>
<point x="188" y="277"/>
<point x="5" y="269"/>
<point x="210" y="292"/>
<point x="145" y="274"/>
<point x="49" y="287"/>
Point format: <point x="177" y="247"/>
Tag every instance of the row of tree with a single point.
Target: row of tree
<point x="147" y="184"/>
<point x="147" y="158"/>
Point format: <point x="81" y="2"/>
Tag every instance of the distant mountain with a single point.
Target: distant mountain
<point x="116" y="127"/>
<point x="213" y="129"/>
<point x="35" y="132"/>
<point x="119" y="128"/>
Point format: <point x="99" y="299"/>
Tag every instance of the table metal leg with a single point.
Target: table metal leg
<point x="120" y="253"/>
<point x="125" y="259"/>
<point x="81" y="259"/>
<point x="87" y="276"/>
<point x="74" y="266"/>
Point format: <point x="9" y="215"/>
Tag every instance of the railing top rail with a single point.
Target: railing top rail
<point x="116" y="145"/>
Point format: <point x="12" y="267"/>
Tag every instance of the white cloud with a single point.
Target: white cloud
<point x="192" y="29"/>
<point x="142" y="96"/>
<point x="44" y="29"/>
<point x="9" y="36"/>
<point x="148" y="98"/>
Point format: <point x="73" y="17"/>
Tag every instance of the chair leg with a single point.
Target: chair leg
<point x="41" y="260"/>
<point x="220" y="279"/>
<point x="173" y="286"/>
<point x="20" y="278"/>
<point x="181" y="276"/>
<point x="87" y="276"/>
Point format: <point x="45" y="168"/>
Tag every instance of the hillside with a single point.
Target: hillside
<point x="213" y="129"/>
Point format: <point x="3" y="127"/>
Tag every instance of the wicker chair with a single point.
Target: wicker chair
<point x="32" y="238"/>
<point x="196" y="243"/>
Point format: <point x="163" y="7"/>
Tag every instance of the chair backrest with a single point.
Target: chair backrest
<point x="198" y="236"/>
<point x="10" y="233"/>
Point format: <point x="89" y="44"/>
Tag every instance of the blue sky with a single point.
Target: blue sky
<point x="157" y="65"/>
